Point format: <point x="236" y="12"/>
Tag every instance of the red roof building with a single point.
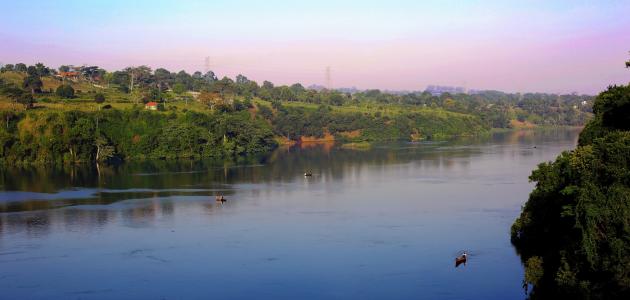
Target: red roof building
<point x="68" y="74"/>
<point x="151" y="105"/>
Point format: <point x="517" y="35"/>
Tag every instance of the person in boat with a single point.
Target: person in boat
<point x="220" y="198"/>
<point x="461" y="259"/>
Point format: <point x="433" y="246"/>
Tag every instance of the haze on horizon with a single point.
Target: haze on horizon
<point x="537" y="46"/>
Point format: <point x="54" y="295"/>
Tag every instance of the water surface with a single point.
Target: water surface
<point x="384" y="223"/>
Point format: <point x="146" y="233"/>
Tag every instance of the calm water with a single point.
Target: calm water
<point x="385" y="223"/>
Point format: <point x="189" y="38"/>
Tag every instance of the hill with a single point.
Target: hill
<point x="33" y="99"/>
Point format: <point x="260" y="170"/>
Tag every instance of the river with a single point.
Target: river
<point x="379" y="223"/>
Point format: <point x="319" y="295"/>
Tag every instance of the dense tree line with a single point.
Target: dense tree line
<point x="573" y="234"/>
<point x="110" y="135"/>
<point x="294" y="122"/>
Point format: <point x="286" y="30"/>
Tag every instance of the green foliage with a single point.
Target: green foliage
<point x="99" y="98"/>
<point x="295" y="112"/>
<point x="533" y="270"/>
<point x="33" y="82"/>
<point x="20" y="67"/>
<point x="72" y="136"/>
<point x="179" y="88"/>
<point x="65" y="91"/>
<point x="577" y="219"/>
<point x="612" y="113"/>
<point x="7" y="68"/>
<point x="294" y="122"/>
<point x="613" y="106"/>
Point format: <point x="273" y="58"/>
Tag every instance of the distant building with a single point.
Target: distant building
<point x="437" y="90"/>
<point x="151" y="105"/>
<point x="69" y="75"/>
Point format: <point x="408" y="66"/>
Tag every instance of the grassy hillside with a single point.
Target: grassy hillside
<point x="41" y="113"/>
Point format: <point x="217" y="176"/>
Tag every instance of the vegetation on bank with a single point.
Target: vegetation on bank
<point x="573" y="233"/>
<point x="111" y="135"/>
<point x="73" y="114"/>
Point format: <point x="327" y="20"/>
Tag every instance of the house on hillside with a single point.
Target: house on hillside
<point x="69" y="75"/>
<point x="151" y="105"/>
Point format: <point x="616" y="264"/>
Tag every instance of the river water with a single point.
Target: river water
<point x="383" y="223"/>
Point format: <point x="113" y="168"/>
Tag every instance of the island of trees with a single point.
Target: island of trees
<point x="87" y="114"/>
<point x="573" y="234"/>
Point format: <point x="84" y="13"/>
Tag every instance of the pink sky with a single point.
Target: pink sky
<point x="559" y="47"/>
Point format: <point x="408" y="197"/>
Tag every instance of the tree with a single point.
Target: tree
<point x="20" y="96"/>
<point x="141" y="76"/>
<point x="573" y="233"/>
<point x="336" y="99"/>
<point x="213" y="100"/>
<point x="92" y="73"/>
<point x="108" y="77"/>
<point x="42" y="70"/>
<point x="99" y="98"/>
<point x="240" y="79"/>
<point x="64" y="68"/>
<point x="267" y="85"/>
<point x="27" y="100"/>
<point x="184" y="78"/>
<point x="65" y="91"/>
<point x="32" y="71"/>
<point x="151" y="94"/>
<point x="20" y="67"/>
<point x="7" y="68"/>
<point x="33" y="83"/>
<point x="179" y="88"/>
<point x="224" y="86"/>
<point x="210" y="77"/>
<point x="104" y="149"/>
<point x="121" y="78"/>
<point x="163" y="77"/>
<point x="297" y="88"/>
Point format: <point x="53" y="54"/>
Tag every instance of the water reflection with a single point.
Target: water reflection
<point x="137" y="192"/>
<point x="396" y="214"/>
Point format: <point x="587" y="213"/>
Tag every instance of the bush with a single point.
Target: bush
<point x="65" y="91"/>
<point x="99" y="98"/>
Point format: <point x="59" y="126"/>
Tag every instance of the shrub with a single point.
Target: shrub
<point x="65" y="91"/>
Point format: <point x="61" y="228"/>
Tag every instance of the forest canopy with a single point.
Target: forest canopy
<point x="573" y="233"/>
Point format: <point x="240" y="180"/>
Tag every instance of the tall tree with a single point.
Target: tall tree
<point x="210" y="77"/>
<point x="33" y="83"/>
<point x="20" y="67"/>
<point x="7" y="68"/>
<point x="42" y="70"/>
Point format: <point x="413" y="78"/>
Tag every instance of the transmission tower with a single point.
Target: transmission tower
<point x="328" y="78"/>
<point x="207" y="64"/>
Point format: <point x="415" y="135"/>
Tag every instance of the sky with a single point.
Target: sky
<point x="513" y="46"/>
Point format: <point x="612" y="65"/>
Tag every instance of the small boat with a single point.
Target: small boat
<point x="461" y="259"/>
<point x="220" y="198"/>
<point x="308" y="174"/>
